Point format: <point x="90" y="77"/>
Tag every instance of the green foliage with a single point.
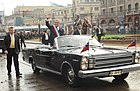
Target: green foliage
<point x="115" y="37"/>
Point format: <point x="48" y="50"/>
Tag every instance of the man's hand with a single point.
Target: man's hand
<point x="6" y="52"/>
<point x="48" y="16"/>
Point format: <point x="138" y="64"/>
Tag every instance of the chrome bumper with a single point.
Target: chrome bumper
<point x="106" y="71"/>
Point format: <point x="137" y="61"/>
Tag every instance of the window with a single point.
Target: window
<point x="67" y="11"/>
<point x="112" y="10"/>
<point x="96" y="8"/>
<point x="136" y="6"/>
<point x="97" y="0"/>
<point x="91" y="0"/>
<point x="87" y="1"/>
<point x="129" y="7"/>
<point x="103" y="11"/>
<point x="61" y="12"/>
<point x="121" y="8"/>
<point x="82" y="8"/>
<point x="103" y="1"/>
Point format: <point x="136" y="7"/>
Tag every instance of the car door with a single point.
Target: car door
<point x="49" y="58"/>
<point x="37" y="58"/>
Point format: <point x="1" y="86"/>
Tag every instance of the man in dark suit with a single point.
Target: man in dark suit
<point x="55" y="30"/>
<point x="99" y="33"/>
<point x="78" y="31"/>
<point x="12" y="49"/>
<point x="22" y="39"/>
<point x="45" y="37"/>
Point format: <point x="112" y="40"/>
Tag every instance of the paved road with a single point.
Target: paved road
<point x="46" y="81"/>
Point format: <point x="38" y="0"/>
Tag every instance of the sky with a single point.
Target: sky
<point x="9" y="5"/>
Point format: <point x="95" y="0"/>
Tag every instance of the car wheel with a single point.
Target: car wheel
<point x="121" y="77"/>
<point x="34" y="68"/>
<point x="70" y="76"/>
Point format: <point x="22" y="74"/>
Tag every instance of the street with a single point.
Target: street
<point x="45" y="81"/>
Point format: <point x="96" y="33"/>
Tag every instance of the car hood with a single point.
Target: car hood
<point x="98" y="51"/>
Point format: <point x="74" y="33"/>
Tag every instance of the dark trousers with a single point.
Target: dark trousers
<point x="99" y="37"/>
<point x="22" y="41"/>
<point x="12" y="54"/>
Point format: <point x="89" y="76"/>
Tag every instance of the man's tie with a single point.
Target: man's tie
<point x="12" y="41"/>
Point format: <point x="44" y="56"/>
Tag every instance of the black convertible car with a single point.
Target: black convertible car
<point x="70" y="57"/>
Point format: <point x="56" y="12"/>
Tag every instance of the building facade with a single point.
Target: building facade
<point x="87" y="8"/>
<point x="30" y="15"/>
<point x="120" y="13"/>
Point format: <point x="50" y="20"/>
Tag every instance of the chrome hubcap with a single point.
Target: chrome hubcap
<point x="70" y="75"/>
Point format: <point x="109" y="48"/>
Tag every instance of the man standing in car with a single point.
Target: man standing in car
<point x="55" y="30"/>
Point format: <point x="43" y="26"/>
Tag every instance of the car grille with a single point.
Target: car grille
<point x="106" y="61"/>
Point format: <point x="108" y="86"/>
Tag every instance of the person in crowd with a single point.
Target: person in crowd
<point x="70" y="30"/>
<point x="78" y="31"/>
<point x="99" y="33"/>
<point x="22" y="39"/>
<point x="86" y="25"/>
<point x="77" y="21"/>
<point x="45" y="37"/>
<point x="12" y="48"/>
<point x="55" y="30"/>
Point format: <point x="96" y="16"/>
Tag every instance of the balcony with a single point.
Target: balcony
<point x="112" y="14"/>
<point x="134" y="12"/>
<point x="96" y="3"/>
<point x="120" y="13"/>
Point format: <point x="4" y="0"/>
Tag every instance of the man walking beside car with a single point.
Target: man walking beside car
<point x="99" y="33"/>
<point x="12" y="49"/>
<point x="55" y="30"/>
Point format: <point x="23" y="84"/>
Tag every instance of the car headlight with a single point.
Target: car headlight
<point x="84" y="63"/>
<point x="137" y="57"/>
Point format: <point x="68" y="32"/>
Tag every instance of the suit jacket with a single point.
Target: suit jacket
<point x="44" y="41"/>
<point x="97" y="31"/>
<point x="52" y="32"/>
<point x="76" y="32"/>
<point x="7" y="42"/>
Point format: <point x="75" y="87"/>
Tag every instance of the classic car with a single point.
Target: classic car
<point x="67" y="58"/>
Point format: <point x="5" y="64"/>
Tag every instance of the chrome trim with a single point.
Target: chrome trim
<point x="56" y="72"/>
<point x="106" y="71"/>
<point x="65" y="62"/>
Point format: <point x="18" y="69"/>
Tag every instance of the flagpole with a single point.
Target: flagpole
<point x="89" y="48"/>
<point x="136" y="43"/>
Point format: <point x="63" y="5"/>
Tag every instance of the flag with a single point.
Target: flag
<point x="133" y="43"/>
<point x="86" y="47"/>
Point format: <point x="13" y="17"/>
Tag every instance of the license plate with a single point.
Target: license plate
<point x="114" y="73"/>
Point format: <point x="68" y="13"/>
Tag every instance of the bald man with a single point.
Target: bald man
<point x="55" y="30"/>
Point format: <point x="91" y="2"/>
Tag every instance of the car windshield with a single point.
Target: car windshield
<point x="76" y="41"/>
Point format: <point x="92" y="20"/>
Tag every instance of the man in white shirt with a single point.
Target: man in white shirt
<point x="45" y="37"/>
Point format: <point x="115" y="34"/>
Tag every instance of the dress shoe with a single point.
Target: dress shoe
<point x="18" y="76"/>
<point x="9" y="74"/>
